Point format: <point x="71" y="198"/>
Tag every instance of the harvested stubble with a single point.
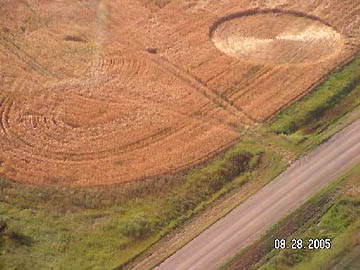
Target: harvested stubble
<point x="98" y="93"/>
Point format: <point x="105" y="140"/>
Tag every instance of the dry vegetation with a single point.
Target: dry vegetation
<point x="103" y="92"/>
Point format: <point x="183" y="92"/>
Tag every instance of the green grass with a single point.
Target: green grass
<point x="73" y="229"/>
<point x="342" y="243"/>
<point x="61" y="228"/>
<point x="299" y="129"/>
<point x="309" y="115"/>
<point x="328" y="214"/>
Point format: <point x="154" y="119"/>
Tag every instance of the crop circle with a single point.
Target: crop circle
<point x="275" y="36"/>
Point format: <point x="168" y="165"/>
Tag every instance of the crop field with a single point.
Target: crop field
<point x="94" y="93"/>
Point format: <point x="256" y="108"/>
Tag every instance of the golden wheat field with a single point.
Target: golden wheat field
<point x="94" y="93"/>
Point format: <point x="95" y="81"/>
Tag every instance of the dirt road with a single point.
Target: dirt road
<point x="248" y="221"/>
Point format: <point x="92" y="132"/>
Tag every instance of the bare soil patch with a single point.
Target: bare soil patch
<point x="101" y="93"/>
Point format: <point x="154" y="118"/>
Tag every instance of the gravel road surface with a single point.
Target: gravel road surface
<point x="252" y="218"/>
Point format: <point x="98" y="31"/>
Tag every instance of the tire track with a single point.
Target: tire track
<point x="204" y="90"/>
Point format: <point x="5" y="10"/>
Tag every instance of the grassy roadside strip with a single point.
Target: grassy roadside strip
<point x="341" y="223"/>
<point x="73" y="229"/>
<point x="59" y="228"/>
<point x="328" y="214"/>
<point x="301" y="128"/>
<point x="318" y="116"/>
<point x="209" y="211"/>
<point x="311" y="114"/>
<point x="267" y="138"/>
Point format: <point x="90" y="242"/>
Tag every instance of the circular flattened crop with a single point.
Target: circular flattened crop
<point x="111" y="129"/>
<point x="275" y="36"/>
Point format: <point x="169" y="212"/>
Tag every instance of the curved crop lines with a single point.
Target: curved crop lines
<point x="122" y="67"/>
<point x="36" y="128"/>
<point x="131" y="106"/>
<point x="4" y="111"/>
<point x="305" y="38"/>
<point x="282" y="38"/>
